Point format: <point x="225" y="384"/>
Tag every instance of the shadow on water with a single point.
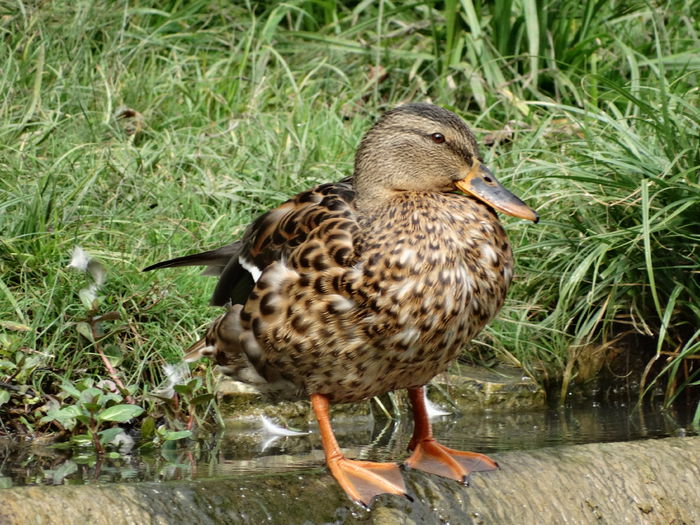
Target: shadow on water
<point x="247" y="449"/>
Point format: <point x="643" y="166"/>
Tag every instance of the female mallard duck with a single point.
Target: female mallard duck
<point x="371" y="284"/>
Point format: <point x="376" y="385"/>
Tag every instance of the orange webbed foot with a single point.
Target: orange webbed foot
<point x="363" y="480"/>
<point x="430" y="456"/>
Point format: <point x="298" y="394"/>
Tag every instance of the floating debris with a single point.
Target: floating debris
<point x="175" y="374"/>
<point x="434" y="410"/>
<point x="273" y="432"/>
<point x="79" y="259"/>
<point x="273" y="429"/>
<point x="129" y="120"/>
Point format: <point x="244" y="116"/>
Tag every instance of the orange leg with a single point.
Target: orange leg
<point x="361" y="480"/>
<point x="431" y="456"/>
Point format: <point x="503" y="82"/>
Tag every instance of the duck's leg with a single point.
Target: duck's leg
<point x="361" y="480"/>
<point x="431" y="456"/>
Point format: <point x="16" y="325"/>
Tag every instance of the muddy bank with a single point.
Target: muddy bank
<point x="652" y="481"/>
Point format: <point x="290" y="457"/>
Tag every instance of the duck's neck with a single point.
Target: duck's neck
<point x="432" y="220"/>
<point x="371" y="198"/>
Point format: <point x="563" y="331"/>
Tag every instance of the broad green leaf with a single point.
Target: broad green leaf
<point x="66" y="416"/>
<point x="120" y="413"/>
<point x="7" y="365"/>
<point x="169" y="435"/>
<point x="88" y="298"/>
<point x="70" y="389"/>
<point x="85" y="330"/>
<point x="148" y="427"/>
<point x="91" y="408"/>
<point x="114" y="353"/>
<point x="182" y="389"/>
<point x="91" y="395"/>
<point x="107" y="435"/>
<point x="202" y="399"/>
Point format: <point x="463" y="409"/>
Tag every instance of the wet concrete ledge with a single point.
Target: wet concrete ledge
<point x="646" y="482"/>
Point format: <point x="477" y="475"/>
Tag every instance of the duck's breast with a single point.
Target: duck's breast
<point x="426" y="277"/>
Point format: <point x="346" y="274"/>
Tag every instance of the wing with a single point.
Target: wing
<point x="271" y="237"/>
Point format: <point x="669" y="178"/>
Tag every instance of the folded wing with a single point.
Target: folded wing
<point x="271" y="237"/>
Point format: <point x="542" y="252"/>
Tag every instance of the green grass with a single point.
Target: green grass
<point x="243" y="105"/>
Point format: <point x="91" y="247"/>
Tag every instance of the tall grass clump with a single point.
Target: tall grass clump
<point x="619" y="251"/>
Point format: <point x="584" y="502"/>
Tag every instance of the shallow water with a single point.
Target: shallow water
<point x="245" y="449"/>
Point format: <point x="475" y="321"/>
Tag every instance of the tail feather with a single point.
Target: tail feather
<point x="215" y="260"/>
<point x="235" y="281"/>
<point x="197" y="351"/>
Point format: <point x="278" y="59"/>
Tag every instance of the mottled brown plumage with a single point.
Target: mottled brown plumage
<point x="371" y="284"/>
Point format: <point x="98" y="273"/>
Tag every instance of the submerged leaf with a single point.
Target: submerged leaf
<point x="66" y="468"/>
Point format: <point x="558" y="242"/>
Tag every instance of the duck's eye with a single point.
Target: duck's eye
<point x="438" y="138"/>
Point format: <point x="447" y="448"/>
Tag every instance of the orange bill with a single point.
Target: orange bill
<point x="480" y="183"/>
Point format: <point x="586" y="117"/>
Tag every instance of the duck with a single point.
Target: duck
<point x="371" y="284"/>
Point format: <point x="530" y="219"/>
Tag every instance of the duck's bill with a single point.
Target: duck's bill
<point x="481" y="183"/>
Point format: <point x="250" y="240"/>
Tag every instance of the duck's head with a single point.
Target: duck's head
<point x="425" y="148"/>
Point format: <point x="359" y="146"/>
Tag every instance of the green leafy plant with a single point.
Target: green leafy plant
<point x="179" y="404"/>
<point x="91" y="412"/>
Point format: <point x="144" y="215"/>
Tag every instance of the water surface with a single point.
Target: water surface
<point x="246" y="449"/>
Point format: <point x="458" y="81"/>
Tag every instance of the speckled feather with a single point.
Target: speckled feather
<point x="363" y="288"/>
<point x="376" y="309"/>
